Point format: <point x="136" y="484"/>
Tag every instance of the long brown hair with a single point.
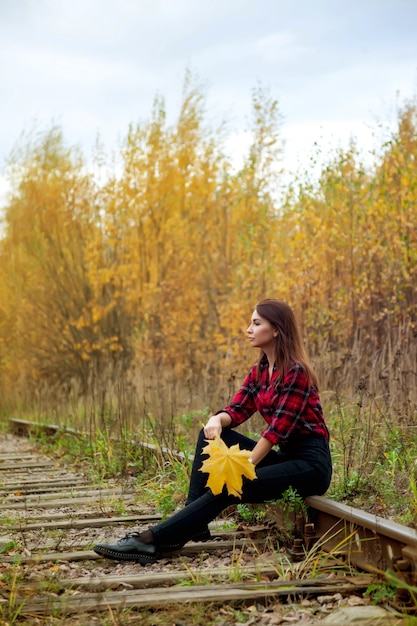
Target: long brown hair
<point x="289" y="345"/>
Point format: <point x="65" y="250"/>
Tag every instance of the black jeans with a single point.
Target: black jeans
<point x="304" y="464"/>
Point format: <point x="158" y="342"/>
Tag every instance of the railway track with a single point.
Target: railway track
<point x="52" y="516"/>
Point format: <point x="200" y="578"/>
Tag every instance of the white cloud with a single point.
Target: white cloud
<point x="95" y="65"/>
<point x="71" y="69"/>
<point x="281" y="46"/>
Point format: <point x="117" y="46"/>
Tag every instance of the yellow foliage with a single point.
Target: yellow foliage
<point x="226" y="467"/>
<point x="162" y="264"/>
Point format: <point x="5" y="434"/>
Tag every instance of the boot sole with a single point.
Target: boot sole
<point x="143" y="559"/>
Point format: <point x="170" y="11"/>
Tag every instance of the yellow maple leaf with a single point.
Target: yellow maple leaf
<point x="227" y="466"/>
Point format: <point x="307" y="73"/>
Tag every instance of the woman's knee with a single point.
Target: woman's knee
<point x="231" y="437"/>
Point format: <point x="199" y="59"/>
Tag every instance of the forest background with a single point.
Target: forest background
<point x="126" y="287"/>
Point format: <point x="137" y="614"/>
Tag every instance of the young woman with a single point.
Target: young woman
<point x="283" y="387"/>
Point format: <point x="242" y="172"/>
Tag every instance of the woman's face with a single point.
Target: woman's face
<point x="261" y="333"/>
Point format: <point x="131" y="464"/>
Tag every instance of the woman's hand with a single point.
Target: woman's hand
<point x="215" y="425"/>
<point x="213" y="428"/>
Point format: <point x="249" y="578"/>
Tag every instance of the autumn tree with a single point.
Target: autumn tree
<point x="64" y="328"/>
<point x="144" y="279"/>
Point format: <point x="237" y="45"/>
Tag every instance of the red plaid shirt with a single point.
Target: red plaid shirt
<point x="291" y="408"/>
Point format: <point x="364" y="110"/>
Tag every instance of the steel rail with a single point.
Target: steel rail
<point x="375" y="523"/>
<point x="364" y="540"/>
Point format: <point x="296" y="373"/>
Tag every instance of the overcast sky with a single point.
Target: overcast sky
<point x="94" y="66"/>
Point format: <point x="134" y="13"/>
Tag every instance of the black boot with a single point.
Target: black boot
<point x="130" y="548"/>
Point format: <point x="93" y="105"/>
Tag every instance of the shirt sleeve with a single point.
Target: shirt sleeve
<point x="243" y="404"/>
<point x="291" y="404"/>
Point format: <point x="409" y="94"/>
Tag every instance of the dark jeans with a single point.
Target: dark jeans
<point x="304" y="465"/>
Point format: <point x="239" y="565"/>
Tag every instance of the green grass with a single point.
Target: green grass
<point x="374" y="460"/>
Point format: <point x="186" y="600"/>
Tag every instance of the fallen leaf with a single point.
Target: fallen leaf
<point x="226" y="467"/>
